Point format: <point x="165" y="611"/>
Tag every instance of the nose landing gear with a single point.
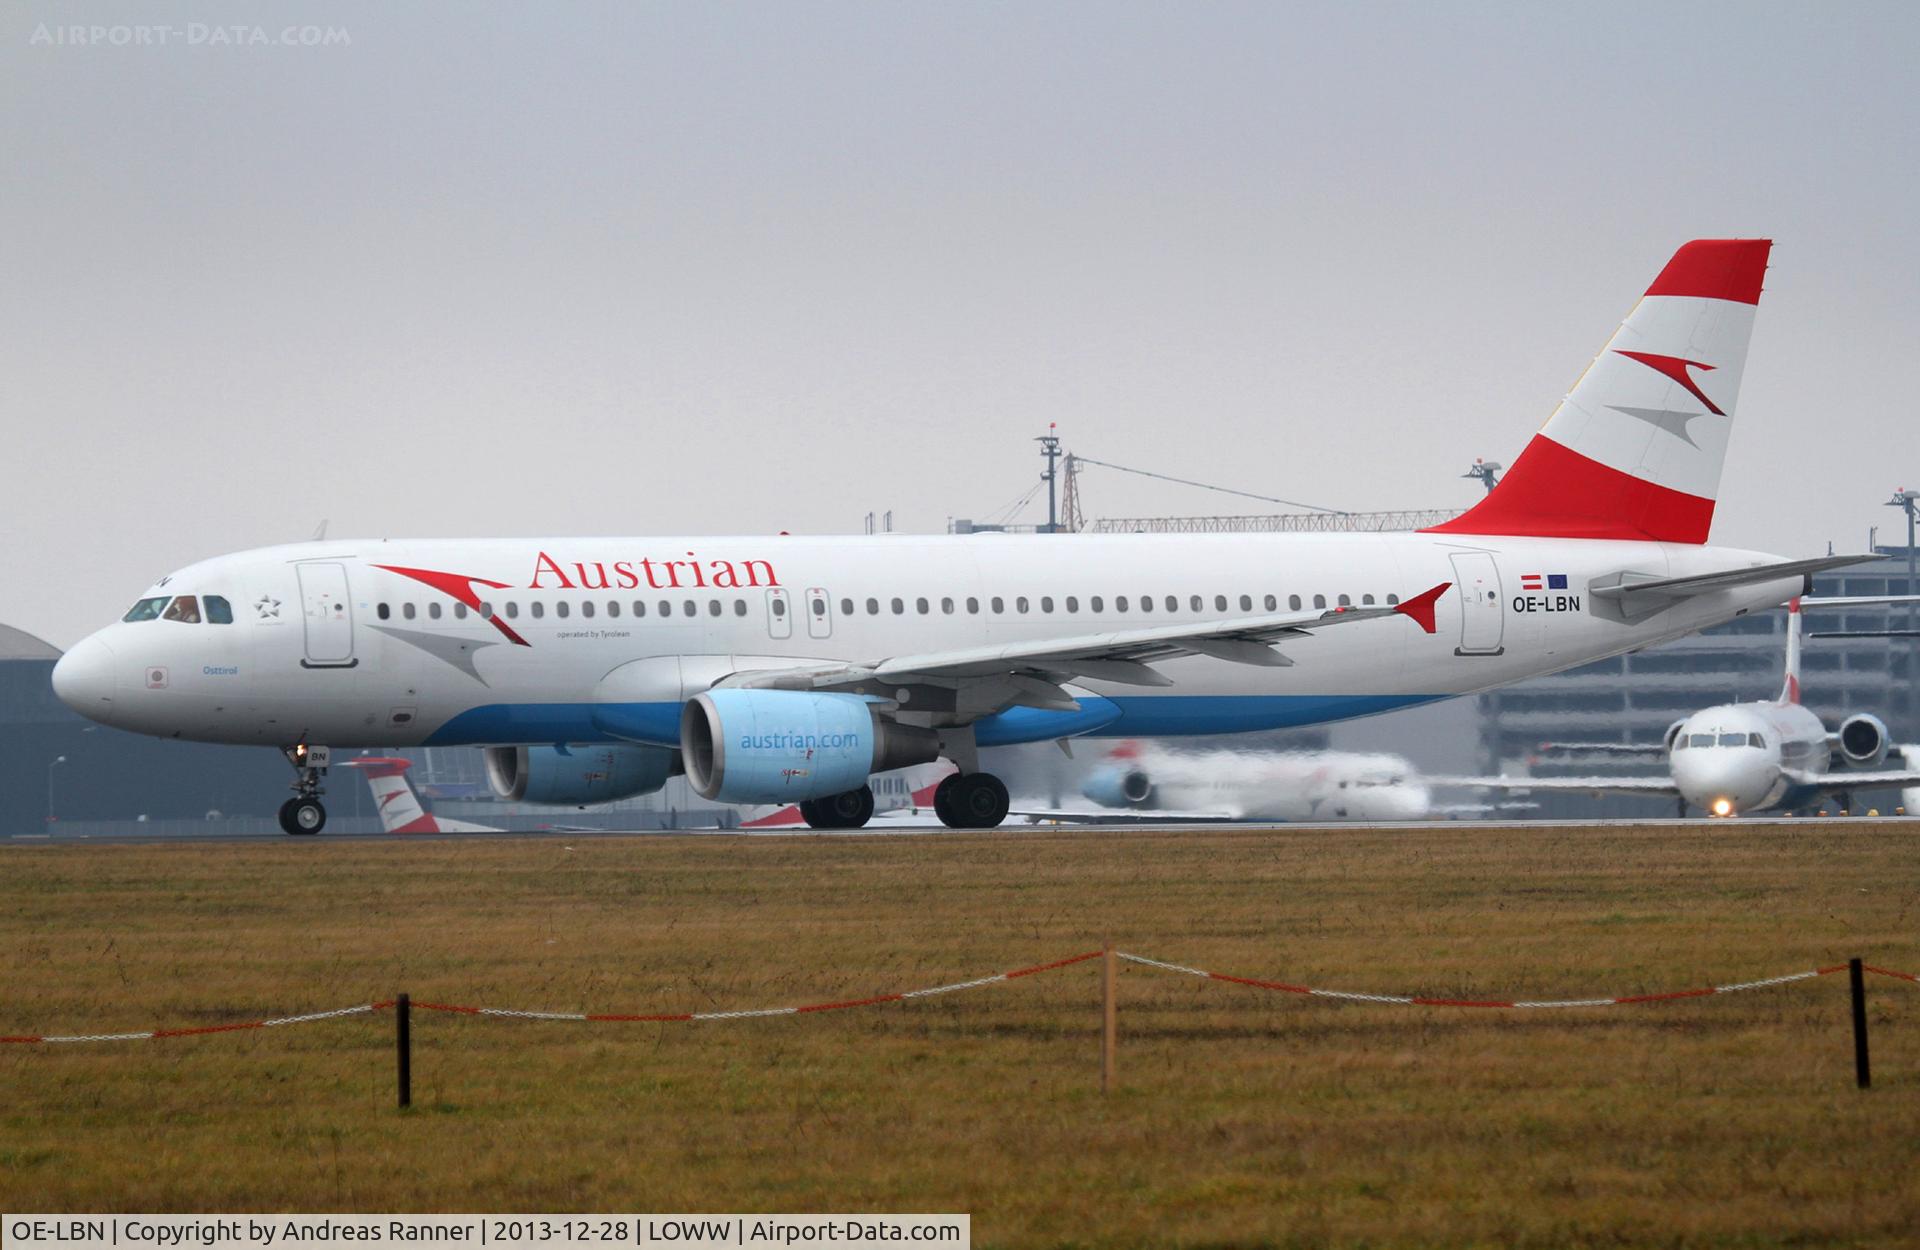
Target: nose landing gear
<point x="304" y="813"/>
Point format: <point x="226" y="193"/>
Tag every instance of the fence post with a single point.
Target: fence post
<point x="1856" y="980"/>
<point x="403" y="1041"/>
<point x="1110" y="1022"/>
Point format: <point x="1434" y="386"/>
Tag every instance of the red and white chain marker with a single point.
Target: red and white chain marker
<point x="1407" y="1000"/>
<point x="1411" y="1000"/>
<point x="309" y="1018"/>
<point x="754" y="1013"/>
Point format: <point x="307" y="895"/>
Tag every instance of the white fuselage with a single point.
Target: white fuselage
<point x="1277" y="785"/>
<point x="329" y="644"/>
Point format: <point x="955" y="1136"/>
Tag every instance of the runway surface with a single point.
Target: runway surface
<point x="213" y="833"/>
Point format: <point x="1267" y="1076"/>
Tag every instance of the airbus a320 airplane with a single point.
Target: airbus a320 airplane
<point x="791" y="669"/>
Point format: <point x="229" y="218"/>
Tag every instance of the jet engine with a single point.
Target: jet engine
<point x="1119" y="787"/>
<point x="578" y="774"/>
<point x="1863" y="740"/>
<point x="1673" y="731"/>
<point x="783" y="746"/>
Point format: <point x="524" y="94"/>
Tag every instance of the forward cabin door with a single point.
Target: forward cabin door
<point x="1482" y="622"/>
<point x="819" y="613"/>
<point x="328" y="614"/>
<point x="779" y="615"/>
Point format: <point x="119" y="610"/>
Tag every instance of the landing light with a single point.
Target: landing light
<point x="1723" y="807"/>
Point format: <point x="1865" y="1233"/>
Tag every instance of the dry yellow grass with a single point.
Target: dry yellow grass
<point x="1243" y="1117"/>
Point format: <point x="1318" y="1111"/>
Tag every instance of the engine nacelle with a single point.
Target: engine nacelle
<point x="578" y="774"/>
<point x="1119" y="787"/>
<point x="783" y="746"/>
<point x="1863" y="740"/>
<point x="1673" y="731"/>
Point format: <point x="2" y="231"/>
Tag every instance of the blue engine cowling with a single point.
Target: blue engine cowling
<point x="1119" y="787"/>
<point x="784" y="746"/>
<point x="578" y="774"/>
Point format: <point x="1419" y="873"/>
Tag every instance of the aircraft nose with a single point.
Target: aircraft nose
<point x="83" y="678"/>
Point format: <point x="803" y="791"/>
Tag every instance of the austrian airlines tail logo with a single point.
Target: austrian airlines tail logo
<point x="459" y="587"/>
<point x="1676" y="368"/>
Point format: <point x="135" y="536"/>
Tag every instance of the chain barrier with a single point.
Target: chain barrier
<point x="510" y="1013"/>
<point x="1415" y="1000"/>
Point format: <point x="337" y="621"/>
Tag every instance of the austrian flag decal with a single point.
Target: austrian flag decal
<point x="1540" y="581"/>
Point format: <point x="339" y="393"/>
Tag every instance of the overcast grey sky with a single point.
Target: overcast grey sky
<point x="711" y="268"/>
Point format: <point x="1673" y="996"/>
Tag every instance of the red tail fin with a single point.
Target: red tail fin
<point x="1635" y="450"/>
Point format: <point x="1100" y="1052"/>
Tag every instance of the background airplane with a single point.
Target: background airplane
<point x="1771" y="755"/>
<point x="397" y="802"/>
<point x="1152" y="781"/>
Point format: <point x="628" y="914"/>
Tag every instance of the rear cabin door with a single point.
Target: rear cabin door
<point x="328" y="613"/>
<point x="819" y="613"/>
<point x="779" y="615"/>
<point x="1482" y="622"/>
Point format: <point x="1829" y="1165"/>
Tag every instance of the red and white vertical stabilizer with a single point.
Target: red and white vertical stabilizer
<point x="1635" y="450"/>
<point x="399" y="807"/>
<point x="1790" y="689"/>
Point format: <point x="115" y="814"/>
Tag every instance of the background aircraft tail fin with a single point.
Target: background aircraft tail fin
<point x="1790" y="688"/>
<point x="393" y="796"/>
<point x="1635" y="449"/>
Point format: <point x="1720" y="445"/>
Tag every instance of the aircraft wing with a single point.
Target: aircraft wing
<point x="1122" y="656"/>
<point x="1859" y="780"/>
<point x="1656" y="588"/>
<point x="1605" y="748"/>
<point x="1582" y="785"/>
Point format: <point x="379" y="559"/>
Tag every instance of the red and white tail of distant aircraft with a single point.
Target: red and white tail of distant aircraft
<point x="1771" y="755"/>
<point x="398" y="804"/>
<point x="789" y="669"/>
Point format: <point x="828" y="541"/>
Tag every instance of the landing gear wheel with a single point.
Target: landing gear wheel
<point x="848" y="810"/>
<point x="943" y="800"/>
<point x="977" y="801"/>
<point x="303" y="816"/>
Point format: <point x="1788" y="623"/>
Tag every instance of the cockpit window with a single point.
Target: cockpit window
<point x="146" y="609"/>
<point x="1700" y="740"/>
<point x="1755" y="740"/>
<point x="184" y="608"/>
<point x="219" y="611"/>
<point x="1733" y="740"/>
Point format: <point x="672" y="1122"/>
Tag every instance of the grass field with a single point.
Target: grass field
<point x="1241" y="1117"/>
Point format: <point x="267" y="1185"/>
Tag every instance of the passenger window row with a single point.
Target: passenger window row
<point x="1071" y="604"/>
<point x="563" y="609"/>
<point x="996" y="605"/>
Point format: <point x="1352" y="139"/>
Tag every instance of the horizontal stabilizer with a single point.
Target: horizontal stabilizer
<point x="1707" y="583"/>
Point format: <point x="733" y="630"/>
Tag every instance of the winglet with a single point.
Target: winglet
<point x="1420" y="607"/>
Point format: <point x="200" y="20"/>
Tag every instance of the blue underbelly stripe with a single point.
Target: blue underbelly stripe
<point x="1122" y="717"/>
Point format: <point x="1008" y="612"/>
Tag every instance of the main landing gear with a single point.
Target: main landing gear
<point x="848" y="810"/>
<point x="304" y="813"/>
<point x="971" y="801"/>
